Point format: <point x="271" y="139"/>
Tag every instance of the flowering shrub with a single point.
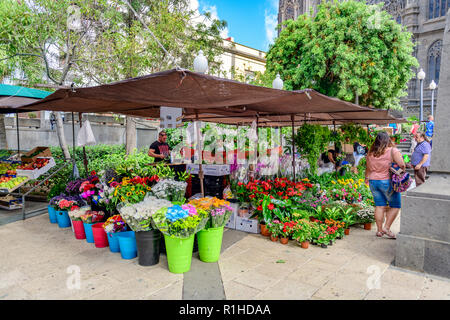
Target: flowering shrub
<point x="275" y="227"/>
<point x="288" y="228"/>
<point x="302" y="230"/>
<point x="130" y="190"/>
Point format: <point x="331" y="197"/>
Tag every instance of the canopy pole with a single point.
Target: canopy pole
<point x="73" y="146"/>
<point x="18" y="136"/>
<point x="200" y="166"/>
<point x="80" y="114"/>
<point x="293" y="146"/>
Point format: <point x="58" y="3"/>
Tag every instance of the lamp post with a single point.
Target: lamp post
<point x="200" y="66"/>
<point x="433" y="87"/>
<point x="277" y="83"/>
<point x="421" y="76"/>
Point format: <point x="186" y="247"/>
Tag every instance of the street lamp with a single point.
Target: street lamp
<point x="433" y="87"/>
<point x="200" y="63"/>
<point x="421" y="76"/>
<point x="277" y="83"/>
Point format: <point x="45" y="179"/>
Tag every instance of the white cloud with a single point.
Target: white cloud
<point x="195" y="6"/>
<point x="271" y="22"/>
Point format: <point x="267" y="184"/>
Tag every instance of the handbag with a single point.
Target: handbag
<point x="400" y="179"/>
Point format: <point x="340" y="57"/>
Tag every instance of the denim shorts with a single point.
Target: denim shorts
<point x="383" y="194"/>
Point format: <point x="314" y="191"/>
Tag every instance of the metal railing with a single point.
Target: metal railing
<point x="24" y="215"/>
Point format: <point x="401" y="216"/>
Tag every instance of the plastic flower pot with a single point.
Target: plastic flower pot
<point x="127" y="244"/>
<point x="367" y="226"/>
<point x="264" y="231"/>
<point x="113" y="242"/>
<point x="148" y="245"/>
<point x="284" y="240"/>
<point x="162" y="248"/>
<point x="88" y="232"/>
<point x="305" y="244"/>
<point x="63" y="219"/>
<point x="100" y="238"/>
<point x="274" y="238"/>
<point x="52" y="214"/>
<point x="179" y="253"/>
<point x="347" y="231"/>
<point x="210" y="244"/>
<point x="78" y="230"/>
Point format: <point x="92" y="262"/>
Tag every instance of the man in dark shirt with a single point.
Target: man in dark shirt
<point x="160" y="149"/>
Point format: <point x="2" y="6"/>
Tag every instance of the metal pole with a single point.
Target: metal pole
<point x="80" y="114"/>
<point x="200" y="166"/>
<point x="432" y="102"/>
<point x="293" y="146"/>
<point x="73" y="141"/>
<point x="421" y="101"/>
<point x="18" y="136"/>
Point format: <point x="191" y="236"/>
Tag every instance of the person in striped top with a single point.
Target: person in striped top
<point x="420" y="158"/>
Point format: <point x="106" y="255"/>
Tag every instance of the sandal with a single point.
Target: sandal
<point x="390" y="234"/>
<point x="380" y="234"/>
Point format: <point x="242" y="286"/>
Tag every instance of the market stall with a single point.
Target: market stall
<point x="134" y="208"/>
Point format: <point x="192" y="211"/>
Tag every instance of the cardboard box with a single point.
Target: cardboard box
<point x="247" y="225"/>
<point x="231" y="224"/>
<point x="44" y="152"/>
<point x="216" y="170"/>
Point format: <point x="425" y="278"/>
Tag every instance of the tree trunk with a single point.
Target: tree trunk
<point x="130" y="135"/>
<point x="61" y="136"/>
<point x="3" y="140"/>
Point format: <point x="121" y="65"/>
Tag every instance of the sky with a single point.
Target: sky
<point x="250" y="22"/>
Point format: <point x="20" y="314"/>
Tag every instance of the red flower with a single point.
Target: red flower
<point x="259" y="208"/>
<point x="271" y="206"/>
<point x="93" y="173"/>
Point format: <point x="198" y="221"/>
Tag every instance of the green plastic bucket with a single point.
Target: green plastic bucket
<point x="179" y="253"/>
<point x="210" y="244"/>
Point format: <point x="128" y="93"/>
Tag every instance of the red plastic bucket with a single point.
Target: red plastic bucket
<point x="78" y="229"/>
<point x="100" y="237"/>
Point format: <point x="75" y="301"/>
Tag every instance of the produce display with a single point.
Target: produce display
<point x="10" y="182"/>
<point x="8" y="168"/>
<point x="37" y="164"/>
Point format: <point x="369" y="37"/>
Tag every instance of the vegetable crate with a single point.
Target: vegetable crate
<point x="10" y="203"/>
<point x="38" y="152"/>
<point x="6" y="190"/>
<point x="36" y="173"/>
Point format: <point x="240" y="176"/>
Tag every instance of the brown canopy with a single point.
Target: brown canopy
<point x="368" y="117"/>
<point x="196" y="94"/>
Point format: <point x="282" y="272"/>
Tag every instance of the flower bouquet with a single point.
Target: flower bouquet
<point x="76" y="212"/>
<point x="138" y="215"/>
<point x="55" y="201"/>
<point x="179" y="224"/>
<point x="170" y="189"/>
<point x="91" y="217"/>
<point x="130" y="190"/>
<point x="219" y="211"/>
<point x="114" y="224"/>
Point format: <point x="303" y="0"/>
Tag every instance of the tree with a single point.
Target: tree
<point x="349" y="50"/>
<point x="96" y="42"/>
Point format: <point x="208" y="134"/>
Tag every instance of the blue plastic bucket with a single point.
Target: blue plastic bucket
<point x="127" y="244"/>
<point x="62" y="217"/>
<point x="88" y="232"/>
<point x="52" y="214"/>
<point x="113" y="242"/>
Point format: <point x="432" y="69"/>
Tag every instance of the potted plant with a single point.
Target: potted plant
<point x="210" y="238"/>
<point x="179" y="226"/>
<point x="138" y="217"/>
<point x="348" y="218"/>
<point x="89" y="219"/>
<point x="62" y="215"/>
<point x="287" y="231"/>
<point x="274" y="229"/>
<point x="303" y="233"/>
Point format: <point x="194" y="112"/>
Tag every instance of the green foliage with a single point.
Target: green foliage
<point x="311" y="141"/>
<point x="348" y="48"/>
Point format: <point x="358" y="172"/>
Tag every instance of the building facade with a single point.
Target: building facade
<point x="425" y="19"/>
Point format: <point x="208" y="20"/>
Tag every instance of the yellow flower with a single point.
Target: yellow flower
<point x="142" y="192"/>
<point x="112" y="179"/>
<point x="149" y="189"/>
<point x="351" y="180"/>
<point x="361" y="180"/>
<point x="124" y="183"/>
<point x="333" y="182"/>
<point x="122" y="198"/>
<point x="128" y="193"/>
<point x="115" y="192"/>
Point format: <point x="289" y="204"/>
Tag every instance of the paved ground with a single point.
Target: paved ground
<point x="40" y="260"/>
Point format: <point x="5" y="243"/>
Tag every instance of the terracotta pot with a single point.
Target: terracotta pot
<point x="305" y="244"/>
<point x="284" y="240"/>
<point x="264" y="231"/>
<point x="274" y="239"/>
<point x="347" y="231"/>
<point x="367" y="226"/>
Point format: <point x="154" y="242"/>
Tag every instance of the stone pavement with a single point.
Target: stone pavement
<point x="38" y="261"/>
